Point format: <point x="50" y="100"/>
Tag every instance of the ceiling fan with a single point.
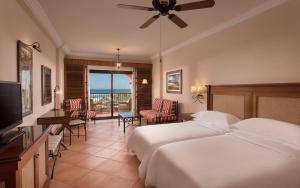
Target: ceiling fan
<point x="165" y="6"/>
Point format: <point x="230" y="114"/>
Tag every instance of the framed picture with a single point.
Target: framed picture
<point x="174" y="82"/>
<point x="46" y="85"/>
<point x="24" y="63"/>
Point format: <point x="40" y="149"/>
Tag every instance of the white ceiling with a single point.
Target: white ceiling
<point x="98" y="27"/>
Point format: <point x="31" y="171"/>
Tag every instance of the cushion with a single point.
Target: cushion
<point x="267" y="128"/>
<point x="75" y="104"/>
<point x="152" y="116"/>
<point x="145" y="112"/>
<point x="157" y="104"/>
<point x="169" y="107"/>
<point x="220" y="119"/>
<point x="76" y="122"/>
<point x="90" y="114"/>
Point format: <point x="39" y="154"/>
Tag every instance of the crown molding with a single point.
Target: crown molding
<point x="40" y="15"/>
<point x="225" y="25"/>
<point x="111" y="57"/>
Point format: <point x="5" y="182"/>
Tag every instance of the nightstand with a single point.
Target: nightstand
<point x="185" y="117"/>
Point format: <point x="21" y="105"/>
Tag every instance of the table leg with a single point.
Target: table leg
<point x="140" y="120"/>
<point x="124" y="124"/>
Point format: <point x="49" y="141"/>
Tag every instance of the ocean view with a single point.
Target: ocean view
<point x="106" y="91"/>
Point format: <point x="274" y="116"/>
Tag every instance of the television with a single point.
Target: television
<point x="10" y="106"/>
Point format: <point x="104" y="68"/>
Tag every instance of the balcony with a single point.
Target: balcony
<point x="110" y="104"/>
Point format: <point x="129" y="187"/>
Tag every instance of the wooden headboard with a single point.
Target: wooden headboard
<point x="274" y="101"/>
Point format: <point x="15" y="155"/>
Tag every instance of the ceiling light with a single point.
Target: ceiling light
<point x="118" y="63"/>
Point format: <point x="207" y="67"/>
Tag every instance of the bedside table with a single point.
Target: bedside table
<point x="185" y="117"/>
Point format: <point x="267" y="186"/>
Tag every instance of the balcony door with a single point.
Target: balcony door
<point x="110" y="92"/>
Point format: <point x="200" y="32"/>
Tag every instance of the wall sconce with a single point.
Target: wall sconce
<point x="36" y="46"/>
<point x="145" y="82"/>
<point x="56" y="91"/>
<point x="198" y="93"/>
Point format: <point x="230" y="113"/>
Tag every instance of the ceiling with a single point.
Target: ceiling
<point x="98" y="27"/>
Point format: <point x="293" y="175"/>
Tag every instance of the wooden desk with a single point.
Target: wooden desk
<point x="58" y="116"/>
<point x="54" y="117"/>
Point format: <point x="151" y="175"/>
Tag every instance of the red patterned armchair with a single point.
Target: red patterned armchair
<point x="163" y="111"/>
<point x="76" y="107"/>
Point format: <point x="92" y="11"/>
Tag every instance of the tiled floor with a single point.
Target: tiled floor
<point x="101" y="161"/>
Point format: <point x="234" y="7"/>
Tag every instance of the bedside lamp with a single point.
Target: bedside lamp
<point x="198" y="93"/>
<point x="145" y="82"/>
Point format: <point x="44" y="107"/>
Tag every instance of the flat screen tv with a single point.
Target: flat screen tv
<point x="10" y="106"/>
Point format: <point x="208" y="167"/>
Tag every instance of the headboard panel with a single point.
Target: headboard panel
<point x="275" y="101"/>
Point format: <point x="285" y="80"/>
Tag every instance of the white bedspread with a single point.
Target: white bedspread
<point x="145" y="140"/>
<point x="232" y="160"/>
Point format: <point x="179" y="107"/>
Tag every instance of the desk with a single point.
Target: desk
<point x="58" y="116"/>
<point x="54" y="117"/>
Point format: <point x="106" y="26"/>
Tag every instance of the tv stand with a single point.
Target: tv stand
<point x="10" y="136"/>
<point x="24" y="162"/>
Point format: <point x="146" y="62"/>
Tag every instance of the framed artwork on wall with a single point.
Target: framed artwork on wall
<point x="174" y="82"/>
<point x="24" y="73"/>
<point x="46" y="85"/>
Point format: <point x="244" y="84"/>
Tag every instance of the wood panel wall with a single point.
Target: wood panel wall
<point x="143" y="92"/>
<point x="75" y="80"/>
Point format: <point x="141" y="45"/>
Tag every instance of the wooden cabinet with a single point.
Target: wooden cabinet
<point x="24" y="162"/>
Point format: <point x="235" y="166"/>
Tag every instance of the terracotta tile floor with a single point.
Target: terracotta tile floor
<point x="101" y="161"/>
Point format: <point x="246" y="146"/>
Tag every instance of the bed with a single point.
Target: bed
<point x="257" y="153"/>
<point x="145" y="140"/>
<point x="243" y="158"/>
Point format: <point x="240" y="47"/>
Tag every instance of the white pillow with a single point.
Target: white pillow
<point x="215" y="118"/>
<point x="268" y="128"/>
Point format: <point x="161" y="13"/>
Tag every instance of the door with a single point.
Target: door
<point x="110" y="92"/>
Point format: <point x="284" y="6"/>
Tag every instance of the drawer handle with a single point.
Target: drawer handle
<point x="36" y="155"/>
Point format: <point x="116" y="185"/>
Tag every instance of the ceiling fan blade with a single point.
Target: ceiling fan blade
<point x="178" y="21"/>
<point x="149" y="22"/>
<point x="195" y="5"/>
<point x="135" y="7"/>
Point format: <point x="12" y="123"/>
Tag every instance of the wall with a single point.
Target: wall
<point x="263" y="49"/>
<point x="17" y="24"/>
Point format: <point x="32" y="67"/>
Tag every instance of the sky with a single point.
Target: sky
<point x="102" y="81"/>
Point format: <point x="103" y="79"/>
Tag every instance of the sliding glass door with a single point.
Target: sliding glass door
<point x="110" y="92"/>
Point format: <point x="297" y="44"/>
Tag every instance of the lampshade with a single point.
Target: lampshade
<point x="118" y="63"/>
<point x="145" y="81"/>
<point x="57" y="89"/>
<point x="193" y="89"/>
<point x="201" y="90"/>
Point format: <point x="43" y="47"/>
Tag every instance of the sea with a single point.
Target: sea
<point x="95" y="91"/>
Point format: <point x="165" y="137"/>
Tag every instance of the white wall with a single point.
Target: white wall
<point x="263" y="49"/>
<point x="17" y="24"/>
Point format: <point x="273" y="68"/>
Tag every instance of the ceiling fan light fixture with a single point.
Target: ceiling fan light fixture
<point x="118" y="63"/>
<point x="165" y="6"/>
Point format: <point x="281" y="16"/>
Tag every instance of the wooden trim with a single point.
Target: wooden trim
<point x="251" y="92"/>
<point x="36" y="170"/>
<point x="110" y="72"/>
<point x="106" y="63"/>
<point x="26" y="156"/>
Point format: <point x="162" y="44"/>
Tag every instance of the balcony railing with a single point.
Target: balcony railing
<point x="101" y="102"/>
